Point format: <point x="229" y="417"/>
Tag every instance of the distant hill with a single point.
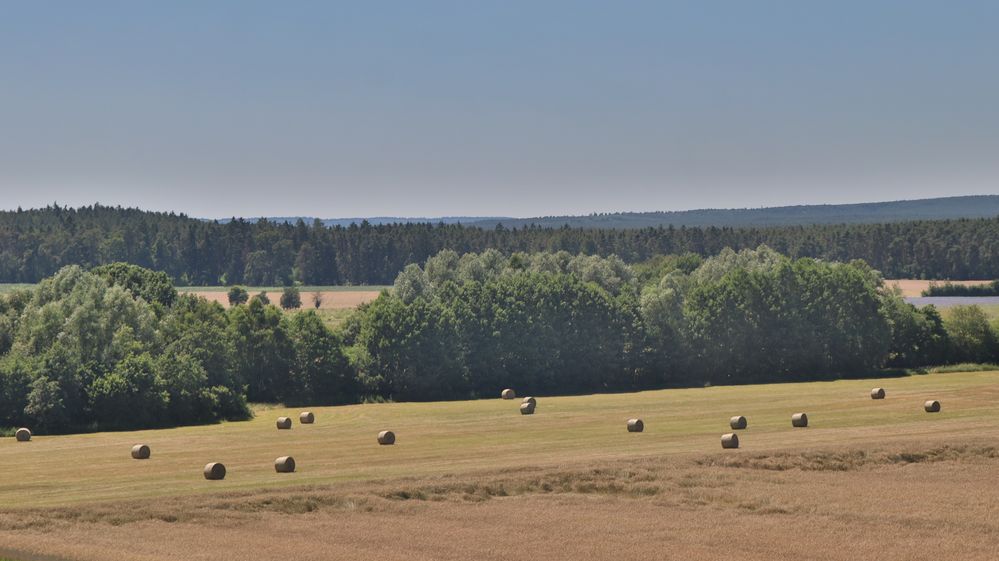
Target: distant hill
<point x="376" y="220"/>
<point x="36" y="243"/>
<point x="983" y="206"/>
<point x="975" y="206"/>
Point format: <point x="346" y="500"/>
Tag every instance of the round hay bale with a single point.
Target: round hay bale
<point x="508" y="394"/>
<point x="932" y="406"/>
<point x="526" y="408"/>
<point x="799" y="420"/>
<point x="878" y="393"/>
<point x="635" y="425"/>
<point x="306" y="418"/>
<point x="140" y="452"/>
<point x="214" y="471"/>
<point x="284" y="464"/>
<point x="530" y="400"/>
<point x="730" y="440"/>
<point x="738" y="422"/>
<point x="284" y="423"/>
<point x="22" y="435"/>
<point x="386" y="437"/>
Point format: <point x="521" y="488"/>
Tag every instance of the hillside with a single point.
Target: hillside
<point x="985" y="206"/>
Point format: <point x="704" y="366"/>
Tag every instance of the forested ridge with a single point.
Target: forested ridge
<point x="35" y="244"/>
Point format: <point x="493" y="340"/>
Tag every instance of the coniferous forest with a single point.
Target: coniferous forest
<point x="35" y="244"/>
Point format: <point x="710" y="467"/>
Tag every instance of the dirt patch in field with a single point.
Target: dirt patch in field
<point x="912" y="288"/>
<point x="332" y="300"/>
<point x="927" y="502"/>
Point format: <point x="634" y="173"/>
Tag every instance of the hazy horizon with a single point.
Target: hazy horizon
<point x="518" y="109"/>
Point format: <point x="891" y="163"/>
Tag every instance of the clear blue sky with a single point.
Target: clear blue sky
<point x="502" y="108"/>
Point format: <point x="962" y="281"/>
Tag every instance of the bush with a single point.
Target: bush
<point x="238" y="295"/>
<point x="291" y="298"/>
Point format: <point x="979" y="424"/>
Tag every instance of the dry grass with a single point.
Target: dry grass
<point x="872" y="480"/>
<point x="844" y="503"/>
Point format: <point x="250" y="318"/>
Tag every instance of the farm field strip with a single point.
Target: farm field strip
<point x="256" y="289"/>
<point x="331" y="299"/>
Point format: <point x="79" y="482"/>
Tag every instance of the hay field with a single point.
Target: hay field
<point x="475" y="479"/>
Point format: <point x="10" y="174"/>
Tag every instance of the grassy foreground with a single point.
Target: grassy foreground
<point x="463" y="437"/>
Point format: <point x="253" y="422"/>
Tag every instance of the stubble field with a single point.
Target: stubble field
<point x="332" y="297"/>
<point x="913" y="287"/>
<point x="477" y="480"/>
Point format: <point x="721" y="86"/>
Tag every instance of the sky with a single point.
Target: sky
<point x="505" y="108"/>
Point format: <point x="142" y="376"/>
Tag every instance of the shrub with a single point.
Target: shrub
<point x="238" y="295"/>
<point x="291" y="298"/>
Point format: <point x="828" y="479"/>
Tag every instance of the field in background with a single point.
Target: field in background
<point x="333" y="297"/>
<point x="912" y="287"/>
<point x="475" y="479"/>
<point x="278" y="289"/>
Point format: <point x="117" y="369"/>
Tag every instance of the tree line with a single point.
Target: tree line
<point x="35" y="244"/>
<point x="117" y="347"/>
<point x="952" y="289"/>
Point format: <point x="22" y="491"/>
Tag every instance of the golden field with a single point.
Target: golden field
<point x="475" y="479"/>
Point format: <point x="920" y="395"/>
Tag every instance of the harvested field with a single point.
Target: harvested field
<point x="874" y="479"/>
<point x="332" y="299"/>
<point x="912" y="287"/>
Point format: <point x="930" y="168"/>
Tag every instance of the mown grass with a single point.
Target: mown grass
<point x="462" y="437"/>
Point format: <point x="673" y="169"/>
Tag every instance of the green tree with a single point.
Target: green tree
<point x="238" y="295"/>
<point x="262" y="350"/>
<point x="412" y="283"/>
<point x="291" y="298"/>
<point x="971" y="337"/>
<point x="151" y="286"/>
<point x="408" y="351"/>
<point x="320" y="372"/>
<point x="131" y="395"/>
